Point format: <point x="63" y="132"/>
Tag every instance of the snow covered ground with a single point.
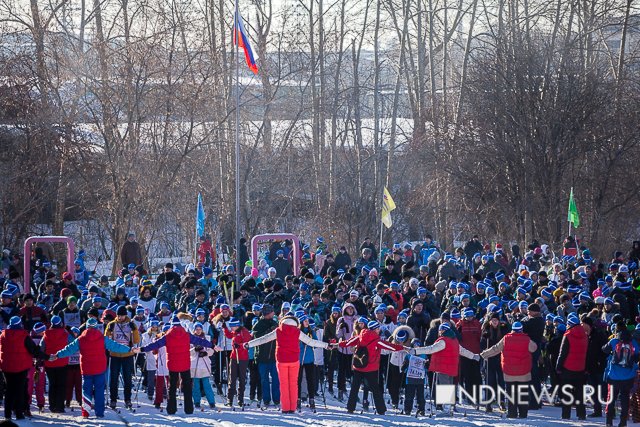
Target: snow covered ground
<point x="334" y="416"/>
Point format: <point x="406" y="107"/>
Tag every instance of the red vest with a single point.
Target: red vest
<point x="93" y="359"/>
<point x="287" y="344"/>
<point x="178" y="345"/>
<point x="14" y="356"/>
<point x="446" y="361"/>
<point x="577" y="355"/>
<point x="55" y="339"/>
<point x="471" y="332"/>
<point x="516" y="359"/>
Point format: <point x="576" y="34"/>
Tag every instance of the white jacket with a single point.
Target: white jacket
<point x="146" y="339"/>
<point x="201" y="366"/>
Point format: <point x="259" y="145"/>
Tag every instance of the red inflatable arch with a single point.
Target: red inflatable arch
<point x="50" y="239"/>
<point x="256" y="240"/>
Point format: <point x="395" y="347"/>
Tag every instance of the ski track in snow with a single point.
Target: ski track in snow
<point x="334" y="416"/>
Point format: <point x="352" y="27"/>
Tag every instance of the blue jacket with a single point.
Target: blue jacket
<point x="109" y="344"/>
<point x="306" y="352"/>
<point x="615" y="372"/>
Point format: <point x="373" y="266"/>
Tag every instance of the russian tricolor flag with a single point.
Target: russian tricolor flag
<point x="242" y="40"/>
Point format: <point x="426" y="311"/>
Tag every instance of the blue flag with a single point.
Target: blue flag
<point x="200" y="217"/>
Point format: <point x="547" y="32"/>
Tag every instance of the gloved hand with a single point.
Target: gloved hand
<point x="202" y="353"/>
<point x="198" y="348"/>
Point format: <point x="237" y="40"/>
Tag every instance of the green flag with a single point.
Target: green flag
<point x="573" y="216"/>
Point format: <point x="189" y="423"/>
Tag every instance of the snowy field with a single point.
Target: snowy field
<point x="334" y="416"/>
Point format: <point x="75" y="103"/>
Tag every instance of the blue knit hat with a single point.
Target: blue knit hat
<point x="256" y="307"/>
<point x="444" y="327"/>
<point x="549" y="317"/>
<point x="6" y="294"/>
<point x="175" y="320"/>
<point x="608" y="301"/>
<point x="572" y="319"/>
<point x="401" y="335"/>
<point x="92" y="323"/>
<point x="39" y="328"/>
<point x="523" y="305"/>
<point x="516" y="327"/>
<point x="546" y="293"/>
<point x="197" y="325"/>
<point x="373" y="325"/>
<point x="363" y="319"/>
<point x="336" y="309"/>
<point x="56" y="320"/>
<point x="455" y="313"/>
<point x="233" y="322"/>
<point x="201" y="312"/>
<point x="469" y="312"/>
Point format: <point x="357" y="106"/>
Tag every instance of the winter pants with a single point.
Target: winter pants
<point x="270" y="389"/>
<point x="200" y="386"/>
<point x="74" y="382"/>
<point x="187" y="388"/>
<point x="38" y="384"/>
<point x="621" y="389"/>
<point x="574" y="395"/>
<point x="124" y="365"/>
<point x="535" y="378"/>
<point x="394" y="382"/>
<point x="382" y="372"/>
<point x="596" y="381"/>
<point x="331" y="358"/>
<point x="470" y="377"/>
<point x="519" y="407"/>
<point x="93" y="386"/>
<point x="57" y="387"/>
<point x="411" y="391"/>
<point x="309" y="371"/>
<point x="370" y="381"/>
<point x="16" y="392"/>
<point x="221" y="363"/>
<point x="255" y="382"/>
<point x="151" y="383"/>
<point x="288" y="375"/>
<point x="495" y="377"/>
<point x="161" y="382"/>
<point x="237" y="373"/>
<point x="344" y="370"/>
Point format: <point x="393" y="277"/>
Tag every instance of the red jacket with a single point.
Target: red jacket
<point x="471" y="332"/>
<point x="446" y="361"/>
<point x="374" y="345"/>
<point x="55" y="339"/>
<point x="178" y="349"/>
<point x="516" y="358"/>
<point x="396" y="297"/>
<point x="577" y="355"/>
<point x="287" y="343"/>
<point x="238" y="338"/>
<point x="93" y="359"/>
<point x="14" y="356"/>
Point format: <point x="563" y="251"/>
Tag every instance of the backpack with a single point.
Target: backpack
<point x="623" y="355"/>
<point x="360" y="357"/>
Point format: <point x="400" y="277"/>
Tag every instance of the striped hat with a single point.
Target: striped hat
<point x="572" y="319"/>
<point x="516" y="327"/>
<point x="92" y="323"/>
<point x="401" y="335"/>
<point x="200" y="312"/>
<point x="56" y="320"/>
<point x="39" y="328"/>
<point x="197" y="325"/>
<point x="363" y="319"/>
<point x="444" y="327"/>
<point x="233" y="322"/>
<point x="546" y="293"/>
<point x="469" y="312"/>
<point x="373" y="325"/>
<point x="523" y="305"/>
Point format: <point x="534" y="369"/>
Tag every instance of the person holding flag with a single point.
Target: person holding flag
<point x="570" y="246"/>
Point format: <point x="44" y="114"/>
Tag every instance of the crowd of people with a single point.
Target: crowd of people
<point x="396" y="321"/>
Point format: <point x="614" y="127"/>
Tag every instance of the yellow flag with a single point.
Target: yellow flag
<point x="387" y="206"/>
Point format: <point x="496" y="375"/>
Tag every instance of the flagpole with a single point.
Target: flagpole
<point x="236" y="36"/>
